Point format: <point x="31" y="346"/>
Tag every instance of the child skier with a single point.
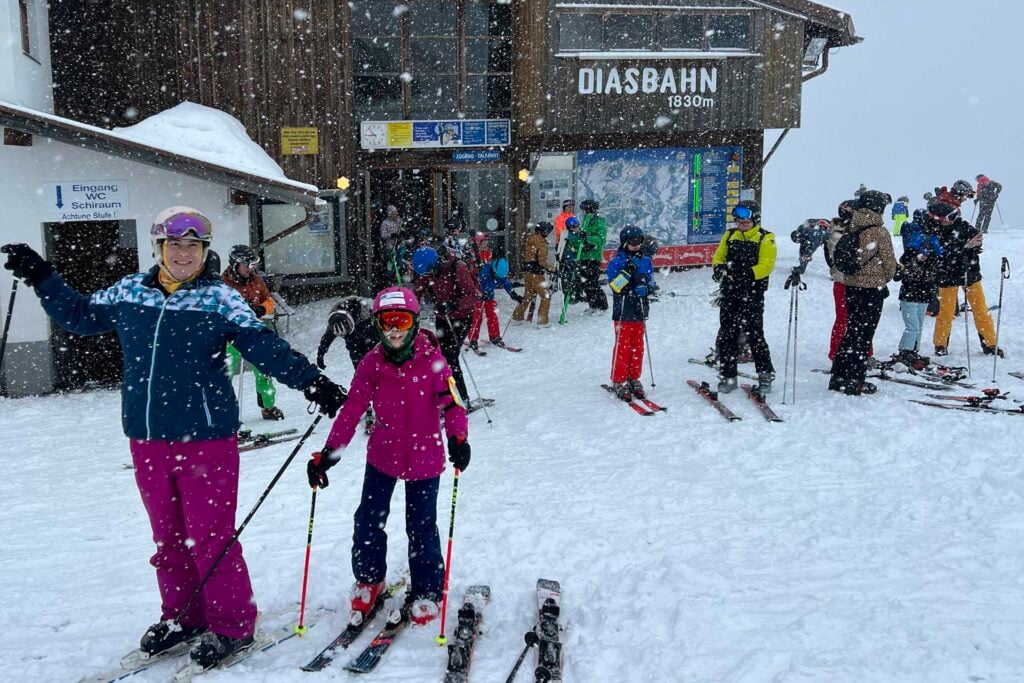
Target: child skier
<point x="411" y="388"/>
<point x="241" y="275"/>
<point x="492" y="275"/>
<point x="631" y="278"/>
<point x="900" y="213"/>
<point x="918" y="275"/>
<point x="181" y="417"/>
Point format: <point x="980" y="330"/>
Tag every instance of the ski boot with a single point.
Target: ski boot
<point x="363" y="597"/>
<point x="990" y="350"/>
<point x="164" y="635"/>
<point x="764" y="382"/>
<point x="422" y="611"/>
<point x="941" y="351"/>
<point x="474" y="345"/>
<point x="497" y="342"/>
<point x="636" y="388"/>
<point x="273" y="413"/>
<point x="623" y="391"/>
<point x="213" y="648"/>
<point x="726" y="385"/>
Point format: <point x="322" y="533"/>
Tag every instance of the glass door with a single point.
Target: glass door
<point x="479" y="200"/>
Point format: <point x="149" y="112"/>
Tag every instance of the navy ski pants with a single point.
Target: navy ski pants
<point x="370" y="538"/>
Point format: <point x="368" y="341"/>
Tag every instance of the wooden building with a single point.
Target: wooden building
<point x="657" y="108"/>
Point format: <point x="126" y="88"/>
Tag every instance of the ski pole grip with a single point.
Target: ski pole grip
<point x="1004" y="268"/>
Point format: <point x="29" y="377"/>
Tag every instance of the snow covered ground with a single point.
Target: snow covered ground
<point x="866" y="538"/>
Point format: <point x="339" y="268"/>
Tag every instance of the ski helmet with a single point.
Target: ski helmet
<point x="747" y="210"/>
<point x="845" y="209"/>
<point x="630" y="233"/>
<point x="904" y="199"/>
<point x="396" y="299"/>
<point x="424" y="260"/>
<point x="500" y="266"/>
<point x="572" y="223"/>
<point x="243" y="253"/>
<point x="180" y="222"/>
<point x="873" y="200"/>
<point x="544" y="228"/>
<point x="944" y="211"/>
<point x="962" y="188"/>
<point x="589" y="206"/>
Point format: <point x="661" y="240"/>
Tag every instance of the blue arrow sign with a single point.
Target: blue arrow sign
<point x="60" y="202"/>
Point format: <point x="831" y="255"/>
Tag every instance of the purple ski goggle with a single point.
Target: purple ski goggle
<point x="185" y="225"/>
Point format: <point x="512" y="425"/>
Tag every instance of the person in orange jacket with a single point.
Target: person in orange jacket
<point x="568" y="211"/>
<point x="241" y="275"/>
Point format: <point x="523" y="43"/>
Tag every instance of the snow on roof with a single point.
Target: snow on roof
<point x="186" y="132"/>
<point x="194" y="130"/>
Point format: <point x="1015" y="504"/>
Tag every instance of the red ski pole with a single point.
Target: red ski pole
<point x="441" y="639"/>
<point x="301" y="627"/>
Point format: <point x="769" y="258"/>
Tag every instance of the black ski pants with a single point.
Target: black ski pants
<point x="742" y="310"/>
<point x="451" y="333"/>
<point x="984" y="215"/>
<point x="590" y="273"/>
<point x="863" y="311"/>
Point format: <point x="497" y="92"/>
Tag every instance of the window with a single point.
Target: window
<point x="681" y="32"/>
<point x="457" y="55"/>
<point x="729" y="31"/>
<point x="26" y="27"/>
<point x="654" y="29"/>
<point x="579" y="32"/>
<point x="628" y="32"/>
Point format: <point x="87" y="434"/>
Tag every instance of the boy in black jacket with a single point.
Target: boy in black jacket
<point x="917" y="274"/>
<point x="352" y="320"/>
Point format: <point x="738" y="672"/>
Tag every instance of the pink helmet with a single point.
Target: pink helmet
<point x="396" y="299"/>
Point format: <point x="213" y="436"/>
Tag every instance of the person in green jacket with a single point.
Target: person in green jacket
<point x="588" y="245"/>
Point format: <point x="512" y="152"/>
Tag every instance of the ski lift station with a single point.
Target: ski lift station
<point x="294" y="126"/>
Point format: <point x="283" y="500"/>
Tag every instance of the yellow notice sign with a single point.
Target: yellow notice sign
<point x="300" y="141"/>
<point x="400" y="134"/>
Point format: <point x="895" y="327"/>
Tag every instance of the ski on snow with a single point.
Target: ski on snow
<point x="246" y="436"/>
<point x="934" y="386"/>
<point x="263" y="443"/>
<point x="478" y="403"/>
<point x="641" y="406"/>
<point x="460" y="652"/>
<point x="739" y="373"/>
<point x="549" y="632"/>
<point x="370" y="657"/>
<point x="705" y="392"/>
<point x="1018" y="375"/>
<point x="761" y="403"/>
<point x="974" y="408"/>
<point x="261" y="643"/>
<point x="352" y="631"/>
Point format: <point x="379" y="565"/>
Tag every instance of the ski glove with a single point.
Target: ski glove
<point x="316" y="468"/>
<point x="327" y="395"/>
<point x="26" y="264"/>
<point x="321" y="362"/>
<point x="260" y="311"/>
<point x="641" y="290"/>
<point x="458" y="452"/>
<point x="718" y="272"/>
<point x="517" y="297"/>
<point x="793" y="280"/>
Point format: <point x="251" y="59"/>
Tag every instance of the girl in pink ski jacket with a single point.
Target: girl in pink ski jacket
<point x="411" y="388"/>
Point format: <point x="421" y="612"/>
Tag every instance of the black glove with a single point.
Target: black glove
<point x="718" y="272"/>
<point x="260" y="311"/>
<point x="793" y="280"/>
<point x="326" y="394"/>
<point x="26" y="264"/>
<point x="321" y="363"/>
<point x="518" y="298"/>
<point x="443" y="308"/>
<point x="458" y="452"/>
<point x="316" y="468"/>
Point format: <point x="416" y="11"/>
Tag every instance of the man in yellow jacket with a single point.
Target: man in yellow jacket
<point x="742" y="263"/>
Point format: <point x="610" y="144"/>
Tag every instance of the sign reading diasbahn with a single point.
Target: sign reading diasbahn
<point x="683" y="87"/>
<point x="434" y="134"/>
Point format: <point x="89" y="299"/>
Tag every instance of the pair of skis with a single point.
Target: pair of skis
<point x="974" y="404"/>
<point x="247" y="441"/>
<point x="641" y="406"/>
<point x="704" y="390"/>
<point x="884" y="376"/>
<point x="480" y="352"/>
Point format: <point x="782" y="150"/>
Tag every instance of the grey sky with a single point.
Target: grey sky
<point x="933" y="94"/>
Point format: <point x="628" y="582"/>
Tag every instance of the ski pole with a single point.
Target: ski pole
<point x="789" y="337"/>
<point x="796" y="331"/>
<point x="441" y="639"/>
<point x="650" y="361"/>
<point x="504" y="330"/>
<point x="301" y="627"/>
<point x="238" y="532"/>
<point x="7" y="326"/>
<point x="1004" y="275"/>
<point x="531" y="640"/>
<point x="967" y="325"/>
<point x="1002" y="224"/>
<point x="465" y="361"/>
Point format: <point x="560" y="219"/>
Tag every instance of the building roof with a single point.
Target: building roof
<point x="226" y="171"/>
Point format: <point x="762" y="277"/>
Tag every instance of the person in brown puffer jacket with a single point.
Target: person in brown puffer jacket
<point x="865" y="290"/>
<point x="535" y="266"/>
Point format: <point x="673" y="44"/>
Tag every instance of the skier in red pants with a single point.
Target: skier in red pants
<point x="631" y="278"/>
<point x="839" y="226"/>
<point x="492" y="275"/>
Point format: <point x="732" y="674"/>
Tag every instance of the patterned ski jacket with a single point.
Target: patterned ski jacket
<point x="175" y="385"/>
<point x="410" y="402"/>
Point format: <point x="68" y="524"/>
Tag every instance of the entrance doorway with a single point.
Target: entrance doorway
<point x="89" y="255"/>
<point x="476" y="197"/>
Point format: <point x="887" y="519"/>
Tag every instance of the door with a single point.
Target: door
<point x="90" y="256"/>
<point x="411" y="191"/>
<point x="479" y="200"/>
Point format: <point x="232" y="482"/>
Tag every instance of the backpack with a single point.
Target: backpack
<point x="846" y="255"/>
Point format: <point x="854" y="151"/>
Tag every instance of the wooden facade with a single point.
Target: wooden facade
<point x="288" y="63"/>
